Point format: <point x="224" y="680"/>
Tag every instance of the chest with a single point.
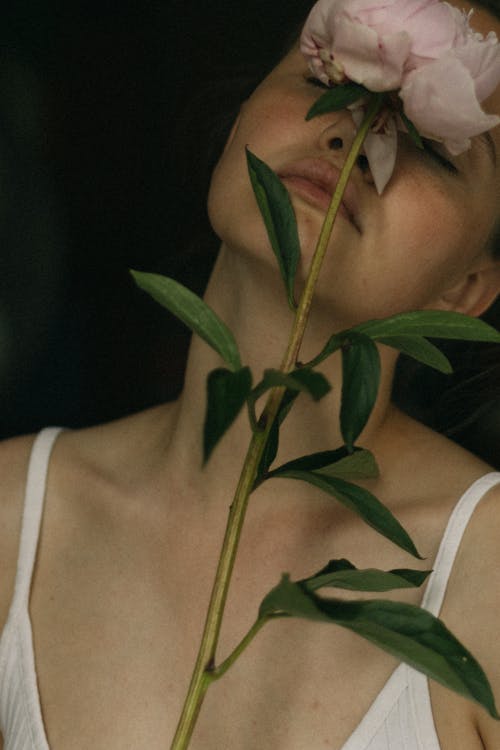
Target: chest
<point x="117" y="611"/>
<point x="120" y="681"/>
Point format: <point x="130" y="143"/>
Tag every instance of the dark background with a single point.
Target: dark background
<point x="101" y="148"/>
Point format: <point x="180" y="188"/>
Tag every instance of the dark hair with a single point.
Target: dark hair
<point x="465" y="405"/>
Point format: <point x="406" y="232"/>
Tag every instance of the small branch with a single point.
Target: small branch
<point x="221" y="670"/>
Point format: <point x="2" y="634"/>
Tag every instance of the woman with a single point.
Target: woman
<point x="132" y="526"/>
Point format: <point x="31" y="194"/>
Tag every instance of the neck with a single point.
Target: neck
<point x="250" y="299"/>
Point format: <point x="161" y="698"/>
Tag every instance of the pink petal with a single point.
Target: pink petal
<point x="381" y="150"/>
<point x="430" y="23"/>
<point x="433" y="30"/>
<point x="482" y="59"/>
<point x="441" y="101"/>
<point x="319" y="26"/>
<point x="376" y="64"/>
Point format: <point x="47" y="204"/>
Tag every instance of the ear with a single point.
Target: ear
<point x="475" y="292"/>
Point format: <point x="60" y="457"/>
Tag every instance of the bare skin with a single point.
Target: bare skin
<point x="132" y="526"/>
<point x="115" y="632"/>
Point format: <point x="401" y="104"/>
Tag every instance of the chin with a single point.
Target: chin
<point x="239" y="226"/>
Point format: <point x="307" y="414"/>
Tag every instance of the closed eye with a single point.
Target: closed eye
<point x="437" y="153"/>
<point x="316" y="82"/>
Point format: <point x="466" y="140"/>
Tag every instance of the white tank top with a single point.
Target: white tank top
<point x="400" y="718"/>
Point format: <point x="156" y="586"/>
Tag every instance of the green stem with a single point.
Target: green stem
<point x="229" y="661"/>
<point x="206" y="656"/>
<point x="326" y="230"/>
<point x="204" y="670"/>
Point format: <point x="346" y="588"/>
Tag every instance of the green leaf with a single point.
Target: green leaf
<point x="337" y="98"/>
<point x="338" y="463"/>
<point x="407" y="632"/>
<point x="193" y="311"/>
<point x="420" y="349"/>
<point x="290" y="599"/>
<point x="434" y="323"/>
<point x="279" y="217"/>
<point x="342" y="574"/>
<point x="315" y="461"/>
<point x="271" y="448"/>
<point x="398" y="328"/>
<point x="359" y="500"/>
<point x="270" y="452"/>
<point x="286" y="404"/>
<point x="360" y="382"/>
<point x="358" y="465"/>
<point x="313" y="383"/>
<point x="226" y="393"/>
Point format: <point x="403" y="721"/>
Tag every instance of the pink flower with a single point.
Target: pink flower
<point x="425" y="50"/>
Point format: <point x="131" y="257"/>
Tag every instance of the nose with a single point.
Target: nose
<point x="338" y="135"/>
<point x="336" y="130"/>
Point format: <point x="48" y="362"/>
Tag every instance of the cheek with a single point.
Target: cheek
<point x="264" y="126"/>
<point x="435" y="227"/>
<point x="230" y="195"/>
<point x="430" y="229"/>
<point x="417" y="246"/>
<point x="441" y="215"/>
<point x="269" y="120"/>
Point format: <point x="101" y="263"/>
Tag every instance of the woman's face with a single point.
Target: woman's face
<point x="417" y="245"/>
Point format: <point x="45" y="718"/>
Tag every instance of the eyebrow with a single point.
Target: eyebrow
<point x="487" y="139"/>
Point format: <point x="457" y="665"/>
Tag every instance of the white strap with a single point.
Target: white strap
<point x="32" y="514"/>
<point x="436" y="589"/>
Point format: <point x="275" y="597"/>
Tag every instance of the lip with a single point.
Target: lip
<point x="315" y="180"/>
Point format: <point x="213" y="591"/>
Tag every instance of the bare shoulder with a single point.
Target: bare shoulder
<point x="472" y="604"/>
<point x="477" y="566"/>
<point x="14" y="460"/>
<point x="98" y="462"/>
<point x="439" y="473"/>
<point x="427" y="466"/>
<point x="119" y="452"/>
